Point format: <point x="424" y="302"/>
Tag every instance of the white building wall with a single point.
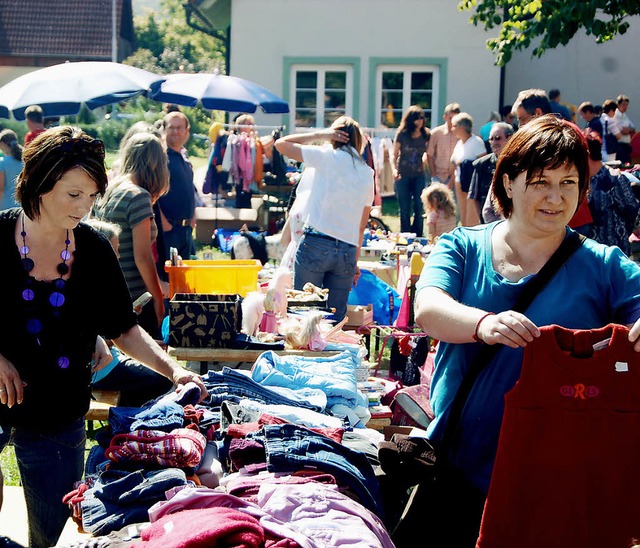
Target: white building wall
<point x="583" y="70"/>
<point x="263" y="33"/>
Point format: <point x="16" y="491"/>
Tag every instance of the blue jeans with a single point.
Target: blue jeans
<point x="291" y="447"/>
<point x="49" y="463"/>
<point x="408" y="190"/>
<point x="327" y="263"/>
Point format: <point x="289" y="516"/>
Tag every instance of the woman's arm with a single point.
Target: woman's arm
<point x="364" y="219"/>
<point x="445" y="319"/>
<point x="138" y="344"/>
<point x="394" y="159"/>
<point x="146" y="265"/>
<point x="285" y="239"/>
<point x="289" y="145"/>
<point x="2" y="180"/>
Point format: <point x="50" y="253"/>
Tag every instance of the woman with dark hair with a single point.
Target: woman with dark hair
<point x="10" y="167"/>
<point x="472" y="281"/>
<point x="409" y="157"/>
<point x="64" y="287"/>
<point x="338" y="206"/>
<point x="128" y="202"/>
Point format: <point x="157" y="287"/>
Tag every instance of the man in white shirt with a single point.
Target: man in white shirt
<point x="627" y="129"/>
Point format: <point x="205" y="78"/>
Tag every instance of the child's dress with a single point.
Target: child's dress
<point x="441" y="221"/>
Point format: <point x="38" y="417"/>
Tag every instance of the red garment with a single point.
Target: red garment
<point x="582" y="216"/>
<point x="567" y="468"/>
<point x="202" y="528"/>
<point x="31" y="135"/>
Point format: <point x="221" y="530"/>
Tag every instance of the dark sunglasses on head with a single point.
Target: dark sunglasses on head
<point x="80" y="147"/>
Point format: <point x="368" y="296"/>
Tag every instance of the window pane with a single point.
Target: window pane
<point x="306" y="79"/>
<point x="306" y="99"/>
<point x="421" y="80"/>
<point x="335" y="80"/>
<point x="390" y="118"/>
<point x="305" y="118"/>
<point x="335" y="99"/>
<point x="392" y="80"/>
<point x="392" y="99"/>
<point x="422" y="98"/>
<point x="331" y="115"/>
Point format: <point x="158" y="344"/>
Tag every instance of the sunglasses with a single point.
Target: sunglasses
<point x="496" y="138"/>
<point x="81" y="147"/>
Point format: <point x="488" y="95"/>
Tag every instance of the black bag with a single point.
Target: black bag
<point x="610" y="141"/>
<point x="438" y="488"/>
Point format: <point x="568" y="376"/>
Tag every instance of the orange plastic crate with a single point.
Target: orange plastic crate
<point x="220" y="277"/>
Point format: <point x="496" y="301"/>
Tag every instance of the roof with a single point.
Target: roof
<point x="71" y="29"/>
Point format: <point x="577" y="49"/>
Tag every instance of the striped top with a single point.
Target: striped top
<point x="127" y="206"/>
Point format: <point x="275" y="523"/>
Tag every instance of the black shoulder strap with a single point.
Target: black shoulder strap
<point x="568" y="246"/>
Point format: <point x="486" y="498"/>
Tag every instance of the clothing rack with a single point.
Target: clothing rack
<point x="252" y="126"/>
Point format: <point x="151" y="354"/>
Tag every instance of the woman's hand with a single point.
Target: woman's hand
<point x="182" y="376"/>
<point x="509" y="328"/>
<point x="336" y="135"/>
<point x="634" y="335"/>
<point x="101" y="355"/>
<point x="11" y="385"/>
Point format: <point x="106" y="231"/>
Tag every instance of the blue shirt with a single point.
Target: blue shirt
<point x="179" y="202"/>
<point x="11" y="168"/>
<point x="596" y="286"/>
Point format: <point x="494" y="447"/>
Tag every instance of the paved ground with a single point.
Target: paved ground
<point x="13" y="520"/>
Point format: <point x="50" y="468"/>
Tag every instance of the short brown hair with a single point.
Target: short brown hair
<point x="49" y="156"/>
<point x="546" y="142"/>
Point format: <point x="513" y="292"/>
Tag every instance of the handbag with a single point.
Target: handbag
<point x="423" y="465"/>
<point x="610" y="141"/>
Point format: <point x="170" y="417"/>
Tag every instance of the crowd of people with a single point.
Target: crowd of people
<point x="513" y="190"/>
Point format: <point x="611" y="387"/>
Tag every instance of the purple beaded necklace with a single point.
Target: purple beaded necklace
<point x="56" y="299"/>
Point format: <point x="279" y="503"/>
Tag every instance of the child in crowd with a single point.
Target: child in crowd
<point x="440" y="206"/>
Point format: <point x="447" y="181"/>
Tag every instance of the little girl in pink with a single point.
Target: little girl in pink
<point x="440" y="207"/>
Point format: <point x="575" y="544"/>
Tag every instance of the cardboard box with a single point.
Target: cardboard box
<point x="359" y="314"/>
<point x="204" y="321"/>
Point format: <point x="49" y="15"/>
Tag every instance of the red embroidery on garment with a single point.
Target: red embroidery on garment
<point x="579" y="391"/>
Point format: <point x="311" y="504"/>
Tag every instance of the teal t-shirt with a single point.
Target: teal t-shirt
<point x="597" y="285"/>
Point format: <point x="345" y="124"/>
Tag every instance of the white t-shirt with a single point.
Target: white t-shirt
<point x="342" y="186"/>
<point x="623" y="120"/>
<point x="470" y="150"/>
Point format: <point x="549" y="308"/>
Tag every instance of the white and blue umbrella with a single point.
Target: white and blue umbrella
<point x="62" y="89"/>
<point x="219" y="92"/>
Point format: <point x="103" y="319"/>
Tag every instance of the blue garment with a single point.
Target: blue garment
<point x="11" y="168"/>
<point x="49" y="466"/>
<point x="234" y="386"/>
<point x="178" y="205"/>
<point x="329" y="263"/>
<point x="614" y="208"/>
<point x="290" y="447"/>
<point x="461" y="265"/>
<point x="111" y="506"/>
<point x="334" y="375"/>
<point x="561" y="110"/>
<point x="372" y="290"/>
<point x="162" y="415"/>
<point x="408" y="191"/>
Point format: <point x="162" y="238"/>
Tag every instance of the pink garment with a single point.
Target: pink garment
<point x="269" y="322"/>
<point x="204" y="527"/>
<point x="278" y="533"/>
<point x="323" y="514"/>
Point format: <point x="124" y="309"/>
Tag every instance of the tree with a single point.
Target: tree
<point x="165" y="43"/>
<point x="552" y="22"/>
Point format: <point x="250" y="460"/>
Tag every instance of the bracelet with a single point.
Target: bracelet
<point x="475" y="332"/>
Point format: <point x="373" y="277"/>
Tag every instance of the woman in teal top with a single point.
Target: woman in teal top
<point x="473" y="278"/>
<point x="10" y="167"/>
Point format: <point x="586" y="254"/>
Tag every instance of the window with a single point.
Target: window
<point x="399" y="87"/>
<point x="321" y="94"/>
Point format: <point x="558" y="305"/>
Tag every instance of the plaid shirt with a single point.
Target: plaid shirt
<point x="180" y="448"/>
